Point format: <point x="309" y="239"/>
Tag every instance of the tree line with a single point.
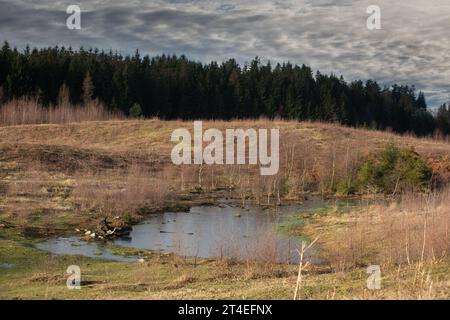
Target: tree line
<point x="174" y="87"/>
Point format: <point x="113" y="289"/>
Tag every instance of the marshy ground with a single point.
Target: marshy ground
<point x="58" y="178"/>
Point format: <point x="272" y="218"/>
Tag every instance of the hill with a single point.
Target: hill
<point x="58" y="178"/>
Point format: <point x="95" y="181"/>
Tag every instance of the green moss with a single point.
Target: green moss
<point x="125" y="251"/>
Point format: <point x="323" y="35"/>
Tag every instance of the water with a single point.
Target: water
<point x="216" y="231"/>
<point x="222" y="230"/>
<point x="75" y="246"/>
<point x="7" y="265"/>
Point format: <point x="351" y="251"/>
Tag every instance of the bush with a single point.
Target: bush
<point x="390" y="171"/>
<point x="136" y="111"/>
<point x="345" y="187"/>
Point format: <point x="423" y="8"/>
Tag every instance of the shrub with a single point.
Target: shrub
<point x="345" y="187"/>
<point x="136" y="111"/>
<point x="390" y="171"/>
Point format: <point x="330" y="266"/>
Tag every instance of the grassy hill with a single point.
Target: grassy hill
<point x="54" y="167"/>
<point x="55" y="178"/>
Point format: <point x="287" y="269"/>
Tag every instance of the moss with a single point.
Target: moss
<point x="128" y="218"/>
<point x="179" y="206"/>
<point x="125" y="251"/>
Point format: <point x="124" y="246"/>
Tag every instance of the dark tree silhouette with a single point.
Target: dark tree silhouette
<point x="172" y="87"/>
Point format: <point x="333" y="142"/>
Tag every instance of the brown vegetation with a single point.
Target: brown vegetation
<point x="122" y="166"/>
<point x="30" y="111"/>
<point x="413" y="230"/>
<point x="60" y="177"/>
<point x="119" y="192"/>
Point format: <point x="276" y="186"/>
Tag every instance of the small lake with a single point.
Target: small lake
<point x="222" y="230"/>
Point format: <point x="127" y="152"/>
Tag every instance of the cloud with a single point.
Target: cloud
<point x="413" y="46"/>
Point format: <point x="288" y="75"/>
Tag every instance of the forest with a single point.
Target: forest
<point x="175" y="87"/>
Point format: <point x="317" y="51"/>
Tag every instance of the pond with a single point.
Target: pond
<point x="222" y="230"/>
<point x="218" y="231"/>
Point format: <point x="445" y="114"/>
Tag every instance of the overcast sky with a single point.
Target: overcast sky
<point x="413" y="46"/>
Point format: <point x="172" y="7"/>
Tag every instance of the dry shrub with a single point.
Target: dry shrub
<point x="120" y="191"/>
<point x="28" y="111"/>
<point x="413" y="230"/>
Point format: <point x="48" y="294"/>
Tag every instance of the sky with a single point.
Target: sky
<point x="412" y="47"/>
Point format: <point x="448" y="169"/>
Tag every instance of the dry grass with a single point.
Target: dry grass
<point x="70" y="175"/>
<point x="412" y="231"/>
<point x="120" y="191"/>
<point x="29" y="111"/>
<point x="119" y="166"/>
<point x="41" y="276"/>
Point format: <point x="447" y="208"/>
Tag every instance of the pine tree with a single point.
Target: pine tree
<point x="88" y="89"/>
<point x="443" y="120"/>
<point x="421" y="103"/>
<point x="175" y="87"/>
<point x="136" y="111"/>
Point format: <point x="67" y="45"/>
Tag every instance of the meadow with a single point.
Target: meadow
<point x="76" y="174"/>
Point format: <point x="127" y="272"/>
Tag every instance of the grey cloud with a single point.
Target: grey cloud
<point x="329" y="35"/>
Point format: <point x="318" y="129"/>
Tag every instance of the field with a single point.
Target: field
<point x="56" y="178"/>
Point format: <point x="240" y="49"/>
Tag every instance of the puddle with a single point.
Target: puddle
<point x="75" y="246"/>
<point x="7" y="265"/>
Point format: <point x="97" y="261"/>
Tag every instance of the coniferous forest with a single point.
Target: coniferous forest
<point x="174" y="87"/>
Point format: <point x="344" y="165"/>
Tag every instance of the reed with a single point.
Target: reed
<point x="25" y="111"/>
